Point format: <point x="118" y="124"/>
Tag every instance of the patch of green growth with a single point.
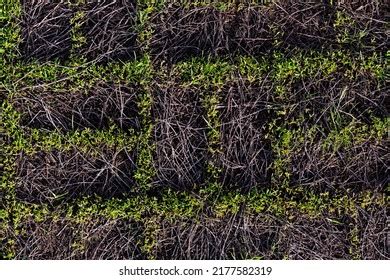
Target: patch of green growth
<point x="76" y="74"/>
<point x="9" y="121"/>
<point x="310" y="204"/>
<point x="342" y="22"/>
<point x="9" y="133"/>
<point x="229" y="203"/>
<point x="135" y="208"/>
<point x="144" y="28"/>
<point x="376" y="65"/>
<point x="179" y="205"/>
<point x="284" y="70"/>
<point x="172" y="205"/>
<point x="355" y="134"/>
<point x="353" y="65"/>
<point x="10" y="10"/>
<point x="151" y="4"/>
<point x="77" y="36"/>
<point x="283" y="142"/>
<point x="260" y="202"/>
<point x="355" y="242"/>
<point x="85" y="140"/>
<point x="152" y="226"/>
<point x="7" y="243"/>
<point x="38" y="213"/>
<point x="145" y="168"/>
<point x="140" y="71"/>
<point x="288" y="68"/>
<point x="222" y="6"/>
<point x="303" y="64"/>
<point x="34" y="72"/>
<point x="204" y="71"/>
<point x="380" y="128"/>
<point x="159" y="5"/>
<point x="348" y="30"/>
<point x="7" y="180"/>
<point x="253" y="68"/>
<point x="175" y="206"/>
<point x="210" y="102"/>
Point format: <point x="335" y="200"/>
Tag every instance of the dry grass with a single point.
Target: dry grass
<point x="233" y="237"/>
<point x="335" y="100"/>
<point x="314" y="239"/>
<point x="245" y="153"/>
<point x="363" y="166"/>
<point x="180" y="33"/>
<point x="374" y="225"/>
<point x="64" y="110"/>
<point x="110" y="30"/>
<point x="45" y="30"/>
<point x="56" y="176"/>
<point x="180" y="137"/>
<point x="62" y="239"/>
<point x="303" y="24"/>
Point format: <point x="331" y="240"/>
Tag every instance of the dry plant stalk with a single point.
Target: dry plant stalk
<point x="368" y="28"/>
<point x="333" y="100"/>
<point x="374" y="233"/>
<point x="253" y="34"/>
<point x="45" y="240"/>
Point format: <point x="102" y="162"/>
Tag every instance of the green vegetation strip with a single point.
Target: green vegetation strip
<point x="173" y="205"/>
